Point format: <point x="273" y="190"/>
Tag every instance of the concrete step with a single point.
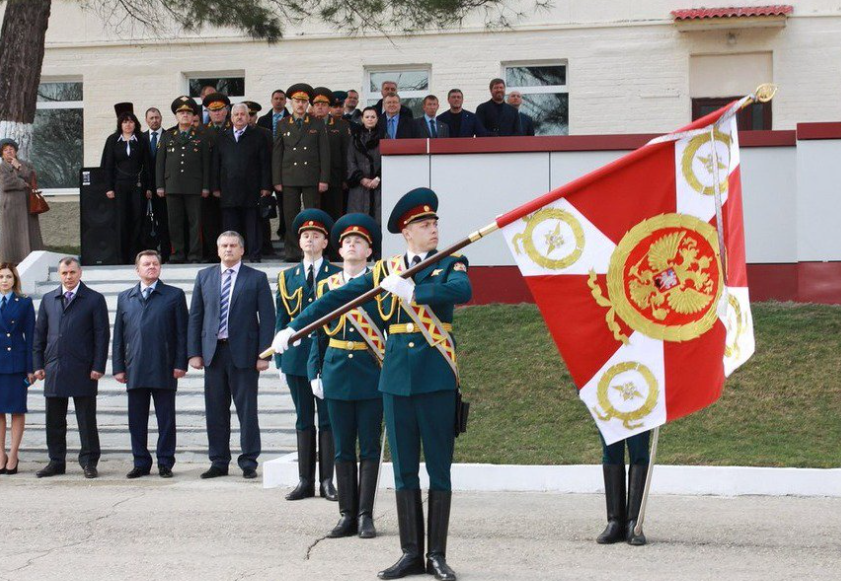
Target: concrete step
<point x="185" y="417"/>
<point x="105" y="274"/>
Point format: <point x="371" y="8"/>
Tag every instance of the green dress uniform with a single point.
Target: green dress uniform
<point x="347" y="357"/>
<point x="294" y="293"/>
<point x="211" y="209"/>
<point x="622" y="517"/>
<point x="182" y="167"/>
<point x="300" y="161"/>
<point x="419" y="387"/>
<point x="338" y="135"/>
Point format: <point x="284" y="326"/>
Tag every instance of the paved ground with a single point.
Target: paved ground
<point x="231" y="529"/>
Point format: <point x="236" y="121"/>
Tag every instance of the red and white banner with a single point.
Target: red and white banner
<point x="625" y="265"/>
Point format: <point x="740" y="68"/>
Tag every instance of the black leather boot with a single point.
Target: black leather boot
<point x="368" y="471"/>
<point x="348" y="500"/>
<point x="326" y="458"/>
<point x="410" y="522"/>
<point x="614" y="492"/>
<point x="306" y="466"/>
<point x="439" y="521"/>
<point x="636" y="485"/>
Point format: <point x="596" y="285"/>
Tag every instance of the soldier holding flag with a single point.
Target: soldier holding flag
<point x="419" y="379"/>
<point x="344" y="367"/>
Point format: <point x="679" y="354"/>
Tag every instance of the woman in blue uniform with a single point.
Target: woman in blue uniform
<point x="345" y="366"/>
<point x="17" y="327"/>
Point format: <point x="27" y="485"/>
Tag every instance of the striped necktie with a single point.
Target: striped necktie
<point x="224" y="303"/>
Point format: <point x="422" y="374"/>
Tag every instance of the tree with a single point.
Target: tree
<point x="25" y="27"/>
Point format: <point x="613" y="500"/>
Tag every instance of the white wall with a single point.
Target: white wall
<point x="792" y="195"/>
<point x="628" y="65"/>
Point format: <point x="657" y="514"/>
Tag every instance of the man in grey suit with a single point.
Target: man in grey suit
<point x="69" y="351"/>
<point x="150" y="356"/>
<point x="428" y="126"/>
<point x="231" y="321"/>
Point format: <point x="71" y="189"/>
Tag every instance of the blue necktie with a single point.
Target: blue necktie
<point x="223" y="304"/>
<point x="3" y="304"/>
<point x="154" y="144"/>
<point x="433" y="131"/>
<point x="146" y="292"/>
<point x="391" y="128"/>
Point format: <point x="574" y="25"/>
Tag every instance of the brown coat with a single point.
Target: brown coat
<point x="20" y="232"/>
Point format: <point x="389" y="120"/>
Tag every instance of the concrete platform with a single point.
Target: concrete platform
<point x="232" y="529"/>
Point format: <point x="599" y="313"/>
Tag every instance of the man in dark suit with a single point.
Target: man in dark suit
<point x="498" y="117"/>
<point x="461" y="123"/>
<point x="240" y="176"/>
<point x="268" y="204"/>
<point x="394" y="124"/>
<point x="515" y="99"/>
<point x="150" y="356"/>
<point x="231" y="321"/>
<point x="154" y="133"/>
<point x="279" y="111"/>
<point x="70" y="351"/>
<point x="428" y="126"/>
<point x="349" y="111"/>
<point x="386" y="89"/>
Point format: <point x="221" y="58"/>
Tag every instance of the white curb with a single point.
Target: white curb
<point x="687" y="480"/>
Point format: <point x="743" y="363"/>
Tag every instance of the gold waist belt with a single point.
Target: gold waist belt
<point x="348" y="345"/>
<point x="412" y="328"/>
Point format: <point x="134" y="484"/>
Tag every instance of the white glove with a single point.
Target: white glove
<point x="317" y="388"/>
<point x="399" y="286"/>
<point x="282" y="375"/>
<point x="281" y="340"/>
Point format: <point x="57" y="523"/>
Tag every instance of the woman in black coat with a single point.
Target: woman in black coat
<point x="128" y="164"/>
<point x="365" y="167"/>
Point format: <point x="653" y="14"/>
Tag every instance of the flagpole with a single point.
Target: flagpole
<point x="379" y="473"/>
<point x="641" y="517"/>
<point x="368" y="296"/>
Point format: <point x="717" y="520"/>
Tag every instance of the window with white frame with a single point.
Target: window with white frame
<point x="57" y="141"/>
<point x="412" y="86"/>
<point x="545" y="95"/>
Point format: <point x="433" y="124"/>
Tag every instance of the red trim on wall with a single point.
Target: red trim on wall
<point x="619" y="142"/>
<point x="806" y="282"/>
<point x="807" y="131"/>
<point x="732" y="12"/>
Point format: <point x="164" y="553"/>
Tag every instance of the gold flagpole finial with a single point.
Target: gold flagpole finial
<point x="765" y="92"/>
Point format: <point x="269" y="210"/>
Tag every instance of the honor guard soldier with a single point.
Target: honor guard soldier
<point x="300" y="162"/>
<point x="338" y="134"/>
<point x="296" y="288"/>
<point x="345" y="367"/>
<point x="218" y="106"/>
<point x="182" y="167"/>
<point x="419" y="378"/>
<point x="622" y="517"/>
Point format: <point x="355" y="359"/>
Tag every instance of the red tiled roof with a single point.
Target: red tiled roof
<point x="732" y="12"/>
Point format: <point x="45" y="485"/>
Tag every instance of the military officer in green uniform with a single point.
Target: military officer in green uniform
<point x="296" y="288"/>
<point x="345" y="366"/>
<point x="218" y="106"/>
<point x="338" y="134"/>
<point x="419" y="378"/>
<point x="622" y="517"/>
<point x="182" y="167"/>
<point x="300" y="162"/>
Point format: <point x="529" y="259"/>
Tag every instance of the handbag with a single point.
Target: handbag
<point x="462" y="411"/>
<point x="37" y="203"/>
<point x="150" y="228"/>
<point x="268" y="207"/>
